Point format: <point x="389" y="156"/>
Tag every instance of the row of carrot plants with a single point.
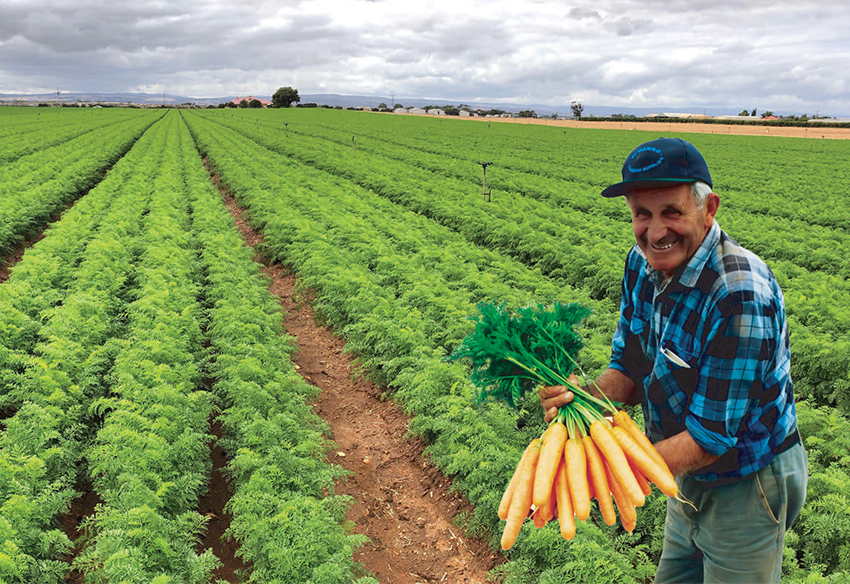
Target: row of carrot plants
<point x="37" y="186"/>
<point x="551" y="240"/>
<point x="149" y="461"/>
<point x="26" y="130"/>
<point x="61" y="312"/>
<point x="789" y="169"/>
<point x="124" y="330"/>
<point x="544" y="180"/>
<point x="330" y="229"/>
<point x="288" y="522"/>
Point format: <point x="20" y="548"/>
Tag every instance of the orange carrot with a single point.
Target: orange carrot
<point x="643" y="482"/>
<point x="521" y="499"/>
<point x="547" y="511"/>
<point x="612" y="452"/>
<point x="576" y="462"/>
<point x="596" y="473"/>
<point x="645" y="464"/>
<point x="628" y="514"/>
<point x="551" y="451"/>
<point x="538" y="519"/>
<point x="505" y="503"/>
<point x="622" y="420"/>
<point x="566" y="517"/>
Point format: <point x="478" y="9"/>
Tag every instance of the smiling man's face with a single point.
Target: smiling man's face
<point x="668" y="225"/>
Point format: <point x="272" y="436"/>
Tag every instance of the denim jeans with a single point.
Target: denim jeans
<point x="737" y="531"/>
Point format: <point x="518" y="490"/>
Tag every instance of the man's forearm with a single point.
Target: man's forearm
<point x="617" y="387"/>
<point x="682" y="453"/>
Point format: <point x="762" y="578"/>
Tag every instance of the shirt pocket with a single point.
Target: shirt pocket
<point x="675" y="372"/>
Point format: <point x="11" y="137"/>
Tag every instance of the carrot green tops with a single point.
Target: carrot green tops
<point x="708" y="350"/>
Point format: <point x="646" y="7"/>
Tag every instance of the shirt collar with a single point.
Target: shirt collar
<point x="689" y="274"/>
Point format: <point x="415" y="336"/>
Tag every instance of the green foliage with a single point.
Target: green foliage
<point x="285" y="96"/>
<point x="511" y="353"/>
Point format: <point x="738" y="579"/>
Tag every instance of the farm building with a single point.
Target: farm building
<point x="237" y="100"/>
<point x="679" y="116"/>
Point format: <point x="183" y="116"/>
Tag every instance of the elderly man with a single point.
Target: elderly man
<point x="702" y="345"/>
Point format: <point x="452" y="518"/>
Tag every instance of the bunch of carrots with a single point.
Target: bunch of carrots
<point x="571" y="463"/>
<point x="581" y="455"/>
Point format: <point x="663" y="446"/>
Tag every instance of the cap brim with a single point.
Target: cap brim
<point x="629" y="186"/>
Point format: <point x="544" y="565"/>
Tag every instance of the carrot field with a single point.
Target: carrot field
<point x="137" y="331"/>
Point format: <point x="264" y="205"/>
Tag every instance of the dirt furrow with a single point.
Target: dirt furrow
<point x="402" y="503"/>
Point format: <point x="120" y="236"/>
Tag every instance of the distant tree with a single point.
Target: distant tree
<point x="382" y="105"/>
<point x="243" y="103"/>
<point x="766" y="114"/>
<point x="744" y="113"/>
<point x="577" y="109"/>
<point x="285" y="97"/>
<point x="255" y="103"/>
<point x="398" y="106"/>
<point x="754" y="112"/>
<point x="451" y="110"/>
<point x="527" y="114"/>
<point x="229" y="104"/>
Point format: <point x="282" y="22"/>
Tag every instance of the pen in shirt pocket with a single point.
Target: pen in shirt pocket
<point x="673" y="356"/>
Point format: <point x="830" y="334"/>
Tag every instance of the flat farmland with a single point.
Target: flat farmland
<point x="257" y="305"/>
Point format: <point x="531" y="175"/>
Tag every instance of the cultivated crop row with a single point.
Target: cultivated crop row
<point x="36" y="186"/>
<point x="108" y="383"/>
<point x="28" y="130"/>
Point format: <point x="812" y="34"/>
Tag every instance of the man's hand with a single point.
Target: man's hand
<point x="553" y="397"/>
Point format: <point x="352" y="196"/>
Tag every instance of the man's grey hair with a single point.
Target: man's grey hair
<point x="700" y="192"/>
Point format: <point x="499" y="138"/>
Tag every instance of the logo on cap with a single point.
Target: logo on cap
<point x="649" y="164"/>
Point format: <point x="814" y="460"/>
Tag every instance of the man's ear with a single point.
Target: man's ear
<point x="712" y="203"/>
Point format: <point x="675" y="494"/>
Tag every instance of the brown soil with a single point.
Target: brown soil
<point x="401" y="502"/>
<point x="218" y="521"/>
<point x="7" y="263"/>
<point x="683" y="127"/>
<point x="71" y="523"/>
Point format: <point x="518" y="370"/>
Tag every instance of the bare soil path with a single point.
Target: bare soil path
<point x="813" y="131"/>
<point x="402" y="503"/>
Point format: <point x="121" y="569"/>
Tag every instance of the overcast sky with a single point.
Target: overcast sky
<point x="780" y="55"/>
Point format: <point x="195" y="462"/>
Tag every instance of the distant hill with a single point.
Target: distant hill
<point x="359" y="101"/>
<point x="116" y="98"/>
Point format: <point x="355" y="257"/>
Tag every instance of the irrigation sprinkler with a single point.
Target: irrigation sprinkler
<point x="485" y="194"/>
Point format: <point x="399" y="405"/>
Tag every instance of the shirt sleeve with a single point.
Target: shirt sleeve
<point x="624" y="324"/>
<point x="733" y="368"/>
<point x="619" y="343"/>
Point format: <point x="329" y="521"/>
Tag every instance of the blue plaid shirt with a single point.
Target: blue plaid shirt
<point x="708" y="350"/>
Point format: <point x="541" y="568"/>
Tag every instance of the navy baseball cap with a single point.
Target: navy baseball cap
<point x="661" y="163"/>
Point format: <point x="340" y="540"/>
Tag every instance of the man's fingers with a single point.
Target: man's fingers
<point x="550" y="391"/>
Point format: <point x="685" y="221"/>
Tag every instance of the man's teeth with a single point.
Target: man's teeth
<point x="666" y="246"/>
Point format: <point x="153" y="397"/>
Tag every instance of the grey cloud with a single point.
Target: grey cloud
<point x="581" y="13"/>
<point x="628" y="26"/>
<point x="669" y="52"/>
